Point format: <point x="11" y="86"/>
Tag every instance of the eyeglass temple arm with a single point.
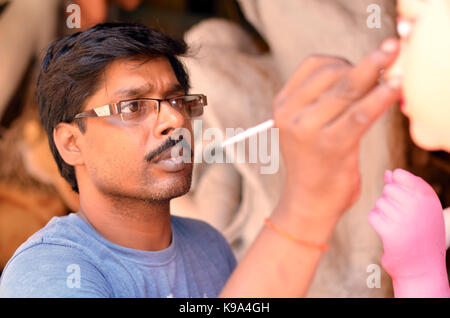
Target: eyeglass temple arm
<point x="102" y="111"/>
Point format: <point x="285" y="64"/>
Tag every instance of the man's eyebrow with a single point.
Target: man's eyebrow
<point x="134" y="91"/>
<point x="176" y="88"/>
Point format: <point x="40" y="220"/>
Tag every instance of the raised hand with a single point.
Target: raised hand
<point x="322" y="113"/>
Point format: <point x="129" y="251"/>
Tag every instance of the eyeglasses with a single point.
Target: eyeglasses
<point x="136" y="110"/>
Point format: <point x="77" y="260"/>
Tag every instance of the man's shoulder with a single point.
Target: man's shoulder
<point x="61" y="238"/>
<point x="42" y="265"/>
<point x="64" y="230"/>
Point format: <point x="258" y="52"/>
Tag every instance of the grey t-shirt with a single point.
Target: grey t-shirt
<point x="68" y="258"/>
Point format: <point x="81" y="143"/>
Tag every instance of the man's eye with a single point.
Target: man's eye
<point x="177" y="102"/>
<point x="130" y="107"/>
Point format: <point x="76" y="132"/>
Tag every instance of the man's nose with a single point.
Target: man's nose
<point x="168" y="120"/>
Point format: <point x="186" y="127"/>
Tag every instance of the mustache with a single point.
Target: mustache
<point x="166" y="145"/>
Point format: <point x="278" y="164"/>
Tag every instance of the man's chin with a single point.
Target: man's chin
<point x="173" y="185"/>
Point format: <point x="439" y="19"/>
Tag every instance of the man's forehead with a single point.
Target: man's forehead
<point x="135" y="77"/>
<point x="152" y="71"/>
<point x="144" y="88"/>
<point x="132" y="78"/>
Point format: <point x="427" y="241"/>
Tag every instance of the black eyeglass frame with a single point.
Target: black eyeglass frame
<point x="115" y="109"/>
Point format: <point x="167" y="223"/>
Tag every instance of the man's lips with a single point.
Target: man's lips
<point x="167" y="154"/>
<point x="170" y="149"/>
<point x="171" y="160"/>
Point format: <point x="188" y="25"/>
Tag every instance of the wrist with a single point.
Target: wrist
<point x="303" y="221"/>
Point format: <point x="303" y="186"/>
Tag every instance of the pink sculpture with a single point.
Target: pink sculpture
<point x="410" y="221"/>
<point x="409" y="217"/>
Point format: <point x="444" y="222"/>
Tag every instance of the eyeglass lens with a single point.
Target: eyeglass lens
<point x="137" y="110"/>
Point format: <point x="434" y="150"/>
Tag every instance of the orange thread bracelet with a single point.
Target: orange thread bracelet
<point x="271" y="225"/>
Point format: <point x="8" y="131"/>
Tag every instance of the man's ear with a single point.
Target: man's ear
<point x="66" y="140"/>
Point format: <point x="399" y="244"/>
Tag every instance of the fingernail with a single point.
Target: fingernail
<point x="389" y="46"/>
<point x="395" y="82"/>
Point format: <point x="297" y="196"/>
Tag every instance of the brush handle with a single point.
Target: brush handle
<point x="248" y="132"/>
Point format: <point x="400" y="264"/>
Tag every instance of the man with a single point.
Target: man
<point x="110" y="99"/>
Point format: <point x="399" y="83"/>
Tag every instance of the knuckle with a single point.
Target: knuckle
<point x="305" y="123"/>
<point x="377" y="59"/>
<point x="383" y="93"/>
<point x="359" y="117"/>
<point x="346" y="88"/>
<point x="300" y="122"/>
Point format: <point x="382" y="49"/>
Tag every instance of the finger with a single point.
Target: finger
<point x="390" y="210"/>
<point x="357" y="83"/>
<point x="350" y="127"/>
<point x="404" y="178"/>
<point x="366" y="74"/>
<point x="305" y="94"/>
<point x="398" y="196"/>
<point x="306" y="68"/>
<point x="388" y="176"/>
<point x="412" y="182"/>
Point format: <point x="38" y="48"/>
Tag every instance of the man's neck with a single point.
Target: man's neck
<point x="142" y="225"/>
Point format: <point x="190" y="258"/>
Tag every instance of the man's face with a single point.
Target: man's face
<point x="115" y="153"/>
<point x="424" y="64"/>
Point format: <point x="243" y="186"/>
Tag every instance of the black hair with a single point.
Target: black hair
<point x="72" y="67"/>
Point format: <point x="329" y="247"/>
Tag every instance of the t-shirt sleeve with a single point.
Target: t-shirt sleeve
<point x="51" y="270"/>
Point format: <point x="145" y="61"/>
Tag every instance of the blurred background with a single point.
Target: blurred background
<point x="246" y="50"/>
<point x="30" y="190"/>
<point x="173" y="17"/>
